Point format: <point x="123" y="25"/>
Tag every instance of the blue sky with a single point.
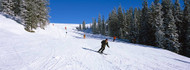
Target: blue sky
<point x="75" y="11"/>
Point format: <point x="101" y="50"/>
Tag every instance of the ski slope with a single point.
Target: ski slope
<point x="53" y="49"/>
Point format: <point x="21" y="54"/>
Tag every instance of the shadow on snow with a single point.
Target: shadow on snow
<point x="89" y="34"/>
<point x="92" y="50"/>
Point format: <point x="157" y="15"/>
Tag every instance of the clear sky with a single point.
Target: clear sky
<point x="75" y="11"/>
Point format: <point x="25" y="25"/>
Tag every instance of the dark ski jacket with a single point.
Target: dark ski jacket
<point x="104" y="43"/>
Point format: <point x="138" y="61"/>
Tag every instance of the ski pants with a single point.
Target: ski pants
<point x="101" y="49"/>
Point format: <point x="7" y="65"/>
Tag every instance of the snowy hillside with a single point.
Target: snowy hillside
<point x="52" y="49"/>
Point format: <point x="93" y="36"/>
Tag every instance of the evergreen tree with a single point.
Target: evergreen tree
<point x="145" y="27"/>
<point x="138" y="16"/>
<point x="33" y="13"/>
<point x="186" y="21"/>
<point x="120" y="21"/>
<point x="129" y="18"/>
<point x="43" y="11"/>
<point x="125" y="25"/>
<point x="94" y="29"/>
<point x="134" y="27"/>
<point x="90" y="25"/>
<point x="131" y="24"/>
<point x="8" y="6"/>
<point x="1" y="6"/>
<point x="113" y="24"/>
<point x="122" y="26"/>
<point x="103" y="32"/>
<point x="83" y="25"/>
<point x="16" y="8"/>
<point x="178" y="16"/>
<point x="158" y="24"/>
<point x="99" y="24"/>
<point x="31" y="17"/>
<point x="166" y="6"/>
<point x="171" y="35"/>
<point x="151" y="22"/>
<point x="80" y="27"/>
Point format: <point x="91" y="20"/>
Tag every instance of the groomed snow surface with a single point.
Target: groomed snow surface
<point x="53" y="49"/>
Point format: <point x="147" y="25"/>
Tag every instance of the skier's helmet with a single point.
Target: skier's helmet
<point x="106" y="39"/>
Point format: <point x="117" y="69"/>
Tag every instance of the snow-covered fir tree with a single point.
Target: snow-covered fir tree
<point x="172" y="42"/>
<point x="171" y="34"/>
<point x="0" y="5"/>
<point x="145" y="27"/>
<point x="33" y="13"/>
<point x="80" y="27"/>
<point x="129" y="19"/>
<point x="162" y="25"/>
<point x="122" y="26"/>
<point x="99" y="24"/>
<point x="83" y="25"/>
<point x="103" y="30"/>
<point x="151" y="22"/>
<point x="113" y="23"/>
<point x="158" y="24"/>
<point x="120" y="21"/>
<point x="8" y="6"/>
<point x="94" y="26"/>
<point x="125" y="25"/>
<point x="31" y="20"/>
<point x="166" y="6"/>
<point x="109" y="25"/>
<point x="134" y="27"/>
<point x="138" y="16"/>
<point x="43" y="11"/>
<point x="186" y="21"/>
<point x="178" y="16"/>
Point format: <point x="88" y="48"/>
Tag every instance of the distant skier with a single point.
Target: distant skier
<point x="104" y="43"/>
<point x="84" y="36"/>
<point x="65" y="28"/>
<point x="114" y="38"/>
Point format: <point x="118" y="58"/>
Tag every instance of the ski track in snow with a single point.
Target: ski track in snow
<point x="53" y="49"/>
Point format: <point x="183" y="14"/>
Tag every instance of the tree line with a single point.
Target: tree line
<point x="32" y="13"/>
<point x="164" y="24"/>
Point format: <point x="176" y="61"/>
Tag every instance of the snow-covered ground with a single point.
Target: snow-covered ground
<point x="53" y="49"/>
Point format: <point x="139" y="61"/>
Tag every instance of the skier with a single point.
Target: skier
<point x="84" y="36"/>
<point x="65" y="28"/>
<point x="114" y="38"/>
<point x="104" y="43"/>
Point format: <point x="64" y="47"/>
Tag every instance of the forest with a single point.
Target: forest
<point x="163" y="24"/>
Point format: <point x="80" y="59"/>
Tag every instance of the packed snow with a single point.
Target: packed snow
<point x="53" y="49"/>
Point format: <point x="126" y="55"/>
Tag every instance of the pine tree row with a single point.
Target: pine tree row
<point x="83" y="26"/>
<point x="33" y="13"/>
<point x="164" y="25"/>
<point x="100" y="27"/>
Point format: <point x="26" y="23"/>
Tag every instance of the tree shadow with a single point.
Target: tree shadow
<point x="181" y="60"/>
<point x="89" y="34"/>
<point x="99" y="36"/>
<point x="18" y="20"/>
<point x="78" y="37"/>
